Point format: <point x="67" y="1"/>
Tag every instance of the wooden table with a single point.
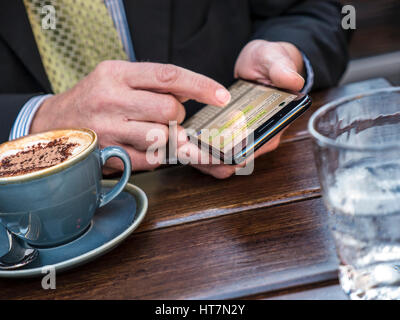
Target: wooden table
<point x="254" y="237"/>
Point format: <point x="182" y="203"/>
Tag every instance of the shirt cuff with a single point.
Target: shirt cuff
<point x="22" y="124"/>
<point x="309" y="75"/>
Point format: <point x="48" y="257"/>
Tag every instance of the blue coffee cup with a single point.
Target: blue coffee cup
<point x="55" y="205"/>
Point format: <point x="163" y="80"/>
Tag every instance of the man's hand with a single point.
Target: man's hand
<point x="122" y="101"/>
<point x="276" y="63"/>
<point x="190" y="153"/>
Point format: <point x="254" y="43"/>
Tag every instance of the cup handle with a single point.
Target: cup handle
<point x="118" y="152"/>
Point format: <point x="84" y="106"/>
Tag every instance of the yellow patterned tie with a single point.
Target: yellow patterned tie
<point x="84" y="35"/>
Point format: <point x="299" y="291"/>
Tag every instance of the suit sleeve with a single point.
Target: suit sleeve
<point x="314" y="27"/>
<point x="10" y="106"/>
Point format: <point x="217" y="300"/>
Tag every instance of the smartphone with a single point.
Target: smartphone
<point x="255" y="114"/>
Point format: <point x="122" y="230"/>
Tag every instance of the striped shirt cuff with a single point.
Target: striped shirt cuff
<point x="310" y="75"/>
<point x="24" y="119"/>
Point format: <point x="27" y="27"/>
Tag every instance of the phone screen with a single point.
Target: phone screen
<point x="251" y="106"/>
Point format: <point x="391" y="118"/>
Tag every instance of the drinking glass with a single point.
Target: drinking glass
<point x="357" y="152"/>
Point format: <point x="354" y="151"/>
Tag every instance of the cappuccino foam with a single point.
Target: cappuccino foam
<point x="38" y="152"/>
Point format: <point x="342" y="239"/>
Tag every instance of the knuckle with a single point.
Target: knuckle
<point x="263" y="50"/>
<point x="167" y="74"/>
<point x="202" y="83"/>
<point x="107" y="68"/>
<point x="203" y="86"/>
<point x="103" y="66"/>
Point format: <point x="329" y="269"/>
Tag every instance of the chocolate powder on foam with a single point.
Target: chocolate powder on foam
<point x="36" y="157"/>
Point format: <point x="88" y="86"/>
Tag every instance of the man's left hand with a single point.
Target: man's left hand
<point x="273" y="63"/>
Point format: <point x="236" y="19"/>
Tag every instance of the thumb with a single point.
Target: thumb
<point x="282" y="75"/>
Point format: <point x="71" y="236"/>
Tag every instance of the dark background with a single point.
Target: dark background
<point x="375" y="46"/>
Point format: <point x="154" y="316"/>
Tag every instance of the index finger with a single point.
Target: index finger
<point x="172" y="79"/>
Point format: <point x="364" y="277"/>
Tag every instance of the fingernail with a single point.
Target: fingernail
<point x="287" y="69"/>
<point x="223" y="96"/>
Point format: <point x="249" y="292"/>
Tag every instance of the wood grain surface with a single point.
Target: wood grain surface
<point x="182" y="194"/>
<point x="225" y="257"/>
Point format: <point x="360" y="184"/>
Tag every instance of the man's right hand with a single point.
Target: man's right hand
<point x="122" y="101"/>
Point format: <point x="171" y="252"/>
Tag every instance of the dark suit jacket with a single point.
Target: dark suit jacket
<point x="202" y="35"/>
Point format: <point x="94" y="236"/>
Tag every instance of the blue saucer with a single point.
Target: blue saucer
<point x="111" y="225"/>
